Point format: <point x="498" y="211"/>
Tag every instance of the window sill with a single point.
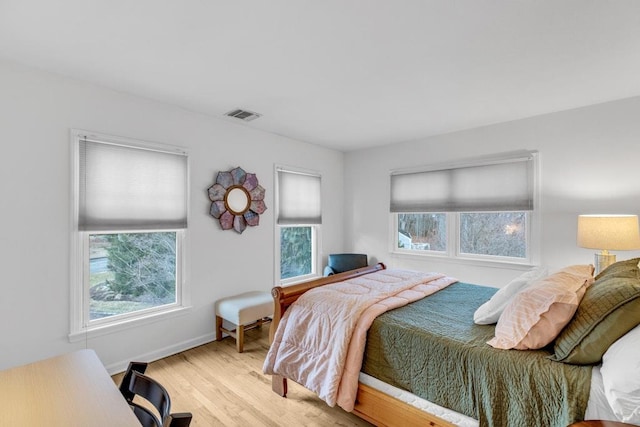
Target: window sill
<point x="297" y="280"/>
<point x="124" y="324"/>
<point x="489" y="263"/>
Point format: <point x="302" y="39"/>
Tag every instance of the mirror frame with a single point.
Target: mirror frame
<point x="219" y="193"/>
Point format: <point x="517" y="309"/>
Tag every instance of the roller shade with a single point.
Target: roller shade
<point x="298" y="198"/>
<point x="130" y="188"/>
<point x="499" y="185"/>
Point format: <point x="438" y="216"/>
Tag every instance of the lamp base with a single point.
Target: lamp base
<point x="602" y="261"/>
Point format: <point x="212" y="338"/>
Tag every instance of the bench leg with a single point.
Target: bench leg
<point x="238" y="332"/>
<point x="218" y="328"/>
<point x="239" y="338"/>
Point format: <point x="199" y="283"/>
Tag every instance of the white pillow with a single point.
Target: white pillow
<point x="621" y="376"/>
<point x="489" y="312"/>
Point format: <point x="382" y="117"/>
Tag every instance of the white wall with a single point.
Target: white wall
<point x="589" y="161"/>
<point x="589" y="164"/>
<point x="37" y="110"/>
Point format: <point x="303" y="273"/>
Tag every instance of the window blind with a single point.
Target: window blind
<point x="130" y="188"/>
<point x="504" y="184"/>
<point x="298" y="198"/>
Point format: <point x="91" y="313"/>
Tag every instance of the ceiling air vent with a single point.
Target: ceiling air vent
<point x="245" y="115"/>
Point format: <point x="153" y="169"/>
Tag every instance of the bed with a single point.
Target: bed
<point x="396" y="385"/>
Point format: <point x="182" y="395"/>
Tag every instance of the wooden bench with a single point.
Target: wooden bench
<point x="246" y="311"/>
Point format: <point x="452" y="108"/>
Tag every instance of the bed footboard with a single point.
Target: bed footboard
<point x="283" y="297"/>
<point x="371" y="405"/>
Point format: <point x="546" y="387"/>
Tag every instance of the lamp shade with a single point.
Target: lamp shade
<point x="609" y="232"/>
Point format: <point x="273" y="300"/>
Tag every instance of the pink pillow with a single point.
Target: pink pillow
<point x="537" y="314"/>
<point x="489" y="312"/>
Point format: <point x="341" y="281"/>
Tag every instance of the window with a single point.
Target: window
<point x="422" y="231"/>
<point x="298" y="224"/>
<point x="296" y="252"/>
<point x="130" y="218"/>
<point x="480" y="210"/>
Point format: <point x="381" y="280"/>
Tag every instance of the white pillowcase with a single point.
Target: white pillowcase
<point x="621" y="376"/>
<point x="489" y="312"/>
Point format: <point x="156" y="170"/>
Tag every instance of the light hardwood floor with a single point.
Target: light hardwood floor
<point x="221" y="387"/>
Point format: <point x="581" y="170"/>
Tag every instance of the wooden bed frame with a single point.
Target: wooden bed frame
<point x="372" y="405"/>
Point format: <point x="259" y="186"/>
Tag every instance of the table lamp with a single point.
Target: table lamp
<point x="608" y="232"/>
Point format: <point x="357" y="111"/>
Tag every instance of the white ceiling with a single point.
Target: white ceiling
<point x="345" y="74"/>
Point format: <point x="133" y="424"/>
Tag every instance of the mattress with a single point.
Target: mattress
<point x="433" y="349"/>
<point x="598" y="407"/>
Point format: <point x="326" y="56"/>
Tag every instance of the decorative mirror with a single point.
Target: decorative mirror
<point x="237" y="200"/>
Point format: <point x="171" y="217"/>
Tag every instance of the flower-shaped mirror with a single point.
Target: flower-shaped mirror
<point x="237" y="200"/>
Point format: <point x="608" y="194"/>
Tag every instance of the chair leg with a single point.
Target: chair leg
<point x="181" y="419"/>
<point x="239" y="338"/>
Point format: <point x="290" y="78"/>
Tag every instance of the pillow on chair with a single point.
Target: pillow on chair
<point x="339" y="263"/>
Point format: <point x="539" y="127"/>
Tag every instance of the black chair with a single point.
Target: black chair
<point x="148" y="419"/>
<point x="126" y="379"/>
<point x="153" y="392"/>
<point x="144" y="415"/>
<point x="179" y="419"/>
<point x="339" y="263"/>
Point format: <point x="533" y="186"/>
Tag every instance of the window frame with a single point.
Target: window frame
<point x="453" y="225"/>
<point x="80" y="327"/>
<point x="453" y="251"/>
<point x="316" y="232"/>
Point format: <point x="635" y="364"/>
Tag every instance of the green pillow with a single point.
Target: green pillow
<point x="610" y="308"/>
<point x="626" y="268"/>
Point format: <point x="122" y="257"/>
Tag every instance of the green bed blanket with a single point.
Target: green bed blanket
<point x="433" y="349"/>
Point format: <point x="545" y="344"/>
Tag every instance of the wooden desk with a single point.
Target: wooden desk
<point x="69" y="390"/>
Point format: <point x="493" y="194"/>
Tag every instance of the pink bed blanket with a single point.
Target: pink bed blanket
<point x="320" y="339"/>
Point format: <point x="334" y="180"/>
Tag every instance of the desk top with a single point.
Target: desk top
<point x="69" y="390"/>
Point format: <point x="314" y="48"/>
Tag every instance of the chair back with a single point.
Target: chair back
<point x="339" y="263"/>
<point x="126" y="378"/>
<point x="145" y="416"/>
<point x="152" y="391"/>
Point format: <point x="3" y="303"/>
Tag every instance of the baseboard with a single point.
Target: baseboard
<point x="121" y="366"/>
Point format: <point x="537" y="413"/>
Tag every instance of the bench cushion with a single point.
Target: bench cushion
<point x="245" y="308"/>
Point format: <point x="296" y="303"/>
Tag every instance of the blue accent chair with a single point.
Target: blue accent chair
<point x="339" y="263"/>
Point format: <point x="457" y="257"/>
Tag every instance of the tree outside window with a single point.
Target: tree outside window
<point x="296" y="252"/>
<point x="131" y="272"/>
